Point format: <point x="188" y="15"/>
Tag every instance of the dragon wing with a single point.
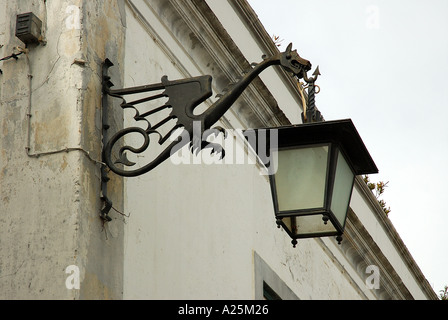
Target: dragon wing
<point x="183" y="97"/>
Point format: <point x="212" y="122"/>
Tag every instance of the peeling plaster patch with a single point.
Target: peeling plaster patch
<point x="64" y="163"/>
<point x="51" y="134"/>
<point x="94" y="288"/>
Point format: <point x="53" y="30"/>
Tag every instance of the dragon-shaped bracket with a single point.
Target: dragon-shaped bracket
<point x="183" y="98"/>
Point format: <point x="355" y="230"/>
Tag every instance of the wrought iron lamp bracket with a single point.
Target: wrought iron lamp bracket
<point x="183" y="97"/>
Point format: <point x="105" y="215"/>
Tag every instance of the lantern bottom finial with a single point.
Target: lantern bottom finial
<point x="294" y="243"/>
<point x="339" y="238"/>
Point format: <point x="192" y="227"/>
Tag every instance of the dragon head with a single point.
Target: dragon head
<point x="292" y="62"/>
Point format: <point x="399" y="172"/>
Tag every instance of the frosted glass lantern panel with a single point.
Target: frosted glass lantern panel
<point x="343" y="185"/>
<point x="301" y="177"/>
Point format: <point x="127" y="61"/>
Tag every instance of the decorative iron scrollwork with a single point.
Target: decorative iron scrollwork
<point x="183" y="97"/>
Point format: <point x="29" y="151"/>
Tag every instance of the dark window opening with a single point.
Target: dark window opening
<point x="269" y="294"/>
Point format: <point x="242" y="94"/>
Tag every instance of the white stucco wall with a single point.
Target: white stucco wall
<point x="193" y="229"/>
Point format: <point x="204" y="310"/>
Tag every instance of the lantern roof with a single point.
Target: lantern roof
<point x="340" y="132"/>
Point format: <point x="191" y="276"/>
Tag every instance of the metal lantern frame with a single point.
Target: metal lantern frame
<point x="341" y="139"/>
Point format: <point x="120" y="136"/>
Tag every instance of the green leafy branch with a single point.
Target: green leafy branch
<point x="378" y="189"/>
<point x="277" y="40"/>
<point x="444" y="293"/>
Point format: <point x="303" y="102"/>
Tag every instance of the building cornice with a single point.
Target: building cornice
<point x="203" y="38"/>
<point x="394" y="237"/>
<point x="248" y="16"/>
<point x="362" y="251"/>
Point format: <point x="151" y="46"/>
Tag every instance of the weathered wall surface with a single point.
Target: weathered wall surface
<point x="49" y="153"/>
<point x="195" y="231"/>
